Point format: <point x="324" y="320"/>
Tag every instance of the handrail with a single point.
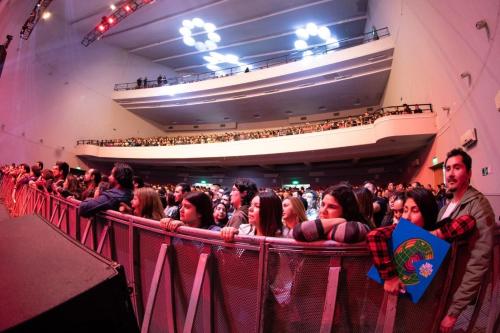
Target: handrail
<point x="290" y="57"/>
<point x="331" y="125"/>
<point x="255" y="284"/>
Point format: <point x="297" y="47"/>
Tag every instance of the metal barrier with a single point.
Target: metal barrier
<point x="192" y="281"/>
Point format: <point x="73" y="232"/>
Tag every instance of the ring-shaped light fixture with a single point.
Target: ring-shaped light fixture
<point x="208" y="30"/>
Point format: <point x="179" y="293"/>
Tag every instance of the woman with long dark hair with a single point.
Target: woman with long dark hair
<point x="196" y="212"/>
<point x="264" y="218"/>
<point x="339" y="218"/>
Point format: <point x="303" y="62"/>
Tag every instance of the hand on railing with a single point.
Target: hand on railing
<point x="227" y="233"/>
<point x="170" y="224"/>
<point x="394" y="286"/>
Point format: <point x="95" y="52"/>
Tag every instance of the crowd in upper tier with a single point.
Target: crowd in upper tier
<point x="342" y="212"/>
<point x="325" y="125"/>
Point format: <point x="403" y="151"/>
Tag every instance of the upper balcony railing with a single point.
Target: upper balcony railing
<point x="290" y="57"/>
<point x="320" y="126"/>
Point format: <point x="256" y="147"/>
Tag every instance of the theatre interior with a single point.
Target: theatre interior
<point x="296" y="98"/>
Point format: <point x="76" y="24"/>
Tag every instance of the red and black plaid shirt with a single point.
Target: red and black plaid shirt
<point x="378" y="242"/>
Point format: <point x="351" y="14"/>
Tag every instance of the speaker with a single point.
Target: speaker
<point x="51" y="283"/>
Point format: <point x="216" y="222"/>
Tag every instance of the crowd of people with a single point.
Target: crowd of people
<point x="325" y="125"/>
<point x="343" y="212"/>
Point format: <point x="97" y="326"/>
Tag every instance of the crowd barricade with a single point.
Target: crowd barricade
<point x="192" y="281"/>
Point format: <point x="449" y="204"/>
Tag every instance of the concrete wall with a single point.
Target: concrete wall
<point x="54" y="91"/>
<point x="435" y="42"/>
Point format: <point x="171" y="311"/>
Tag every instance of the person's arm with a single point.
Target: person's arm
<point x="349" y="232"/>
<point x="310" y="231"/>
<point x="455" y="228"/>
<point x="90" y="207"/>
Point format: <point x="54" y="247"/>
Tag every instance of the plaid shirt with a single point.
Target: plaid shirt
<point x="379" y="247"/>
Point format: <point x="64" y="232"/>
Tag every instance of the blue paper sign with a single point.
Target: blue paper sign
<point x="417" y="255"/>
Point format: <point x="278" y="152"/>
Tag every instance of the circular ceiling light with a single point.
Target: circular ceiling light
<point x="312" y="29"/>
<point x="209" y="27"/>
<point x="213" y="67"/>
<point x="188" y="24"/>
<point x="210" y="45"/>
<point x="232" y="59"/>
<point x="198" y="22"/>
<point x="185" y="31"/>
<point x="200" y="46"/>
<point x="324" y="33"/>
<point x="189" y="41"/>
<point x="302" y="33"/>
<point x="300" y="44"/>
<point x="214" y="37"/>
<point x="210" y="59"/>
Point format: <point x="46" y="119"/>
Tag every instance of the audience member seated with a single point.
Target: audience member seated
<point x="340" y="219"/>
<point x="121" y="191"/>
<point x="196" y="212"/>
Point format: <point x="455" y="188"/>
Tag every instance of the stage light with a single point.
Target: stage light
<point x="209" y="27"/>
<point x="198" y="22"/>
<point x="214" y="37"/>
<point x="101" y="27"/>
<point x="200" y="46"/>
<point x="300" y="44"/>
<point x="46" y="15"/>
<point x="210" y="45"/>
<point x="312" y="29"/>
<point x="189" y="41"/>
<point x="127" y="8"/>
<point x="302" y="33"/>
<point x="112" y="7"/>
<point x="111" y="20"/>
<point x="185" y="31"/>
<point x="188" y="24"/>
<point x="324" y="33"/>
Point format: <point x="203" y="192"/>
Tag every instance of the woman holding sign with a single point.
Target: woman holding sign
<point x="420" y="208"/>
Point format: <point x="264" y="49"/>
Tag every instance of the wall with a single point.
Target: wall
<point x="435" y="42"/>
<point x="54" y="91"/>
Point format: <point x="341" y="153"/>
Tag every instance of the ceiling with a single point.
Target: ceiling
<point x="256" y="30"/>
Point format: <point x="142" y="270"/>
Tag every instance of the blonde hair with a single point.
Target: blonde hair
<point x="150" y="206"/>
<point x="298" y="208"/>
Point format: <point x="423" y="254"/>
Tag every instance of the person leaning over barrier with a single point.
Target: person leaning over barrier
<point x="421" y="209"/>
<point x="339" y="219"/>
<point x="121" y="191"/>
<point x="467" y="200"/>
<point x="196" y="212"/>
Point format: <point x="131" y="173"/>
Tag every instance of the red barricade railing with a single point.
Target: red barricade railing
<point x="193" y="281"/>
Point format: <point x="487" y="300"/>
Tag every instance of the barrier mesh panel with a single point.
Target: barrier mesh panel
<point x="295" y="292"/>
<point x="235" y="289"/>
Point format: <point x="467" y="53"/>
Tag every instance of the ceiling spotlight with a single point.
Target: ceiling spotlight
<point x="189" y="41"/>
<point x="300" y="44"/>
<point x="188" y="24"/>
<point x="312" y="29"/>
<point x="210" y="27"/>
<point x="324" y="33"/>
<point x="214" y="37"/>
<point x="185" y="31"/>
<point x="232" y="59"/>
<point x="302" y="33"/>
<point x="127" y="8"/>
<point x="213" y="67"/>
<point x="218" y="56"/>
<point x="112" y="7"/>
<point x="210" y="45"/>
<point x="200" y="46"/>
<point x="210" y="59"/>
<point x="198" y="22"/>
<point x="46" y="15"/>
<point x="111" y="20"/>
<point x="101" y="27"/>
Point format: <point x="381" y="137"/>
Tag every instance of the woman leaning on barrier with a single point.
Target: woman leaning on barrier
<point x="146" y="203"/>
<point x="339" y="219"/>
<point x="196" y="212"/>
<point x="264" y="218"/>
